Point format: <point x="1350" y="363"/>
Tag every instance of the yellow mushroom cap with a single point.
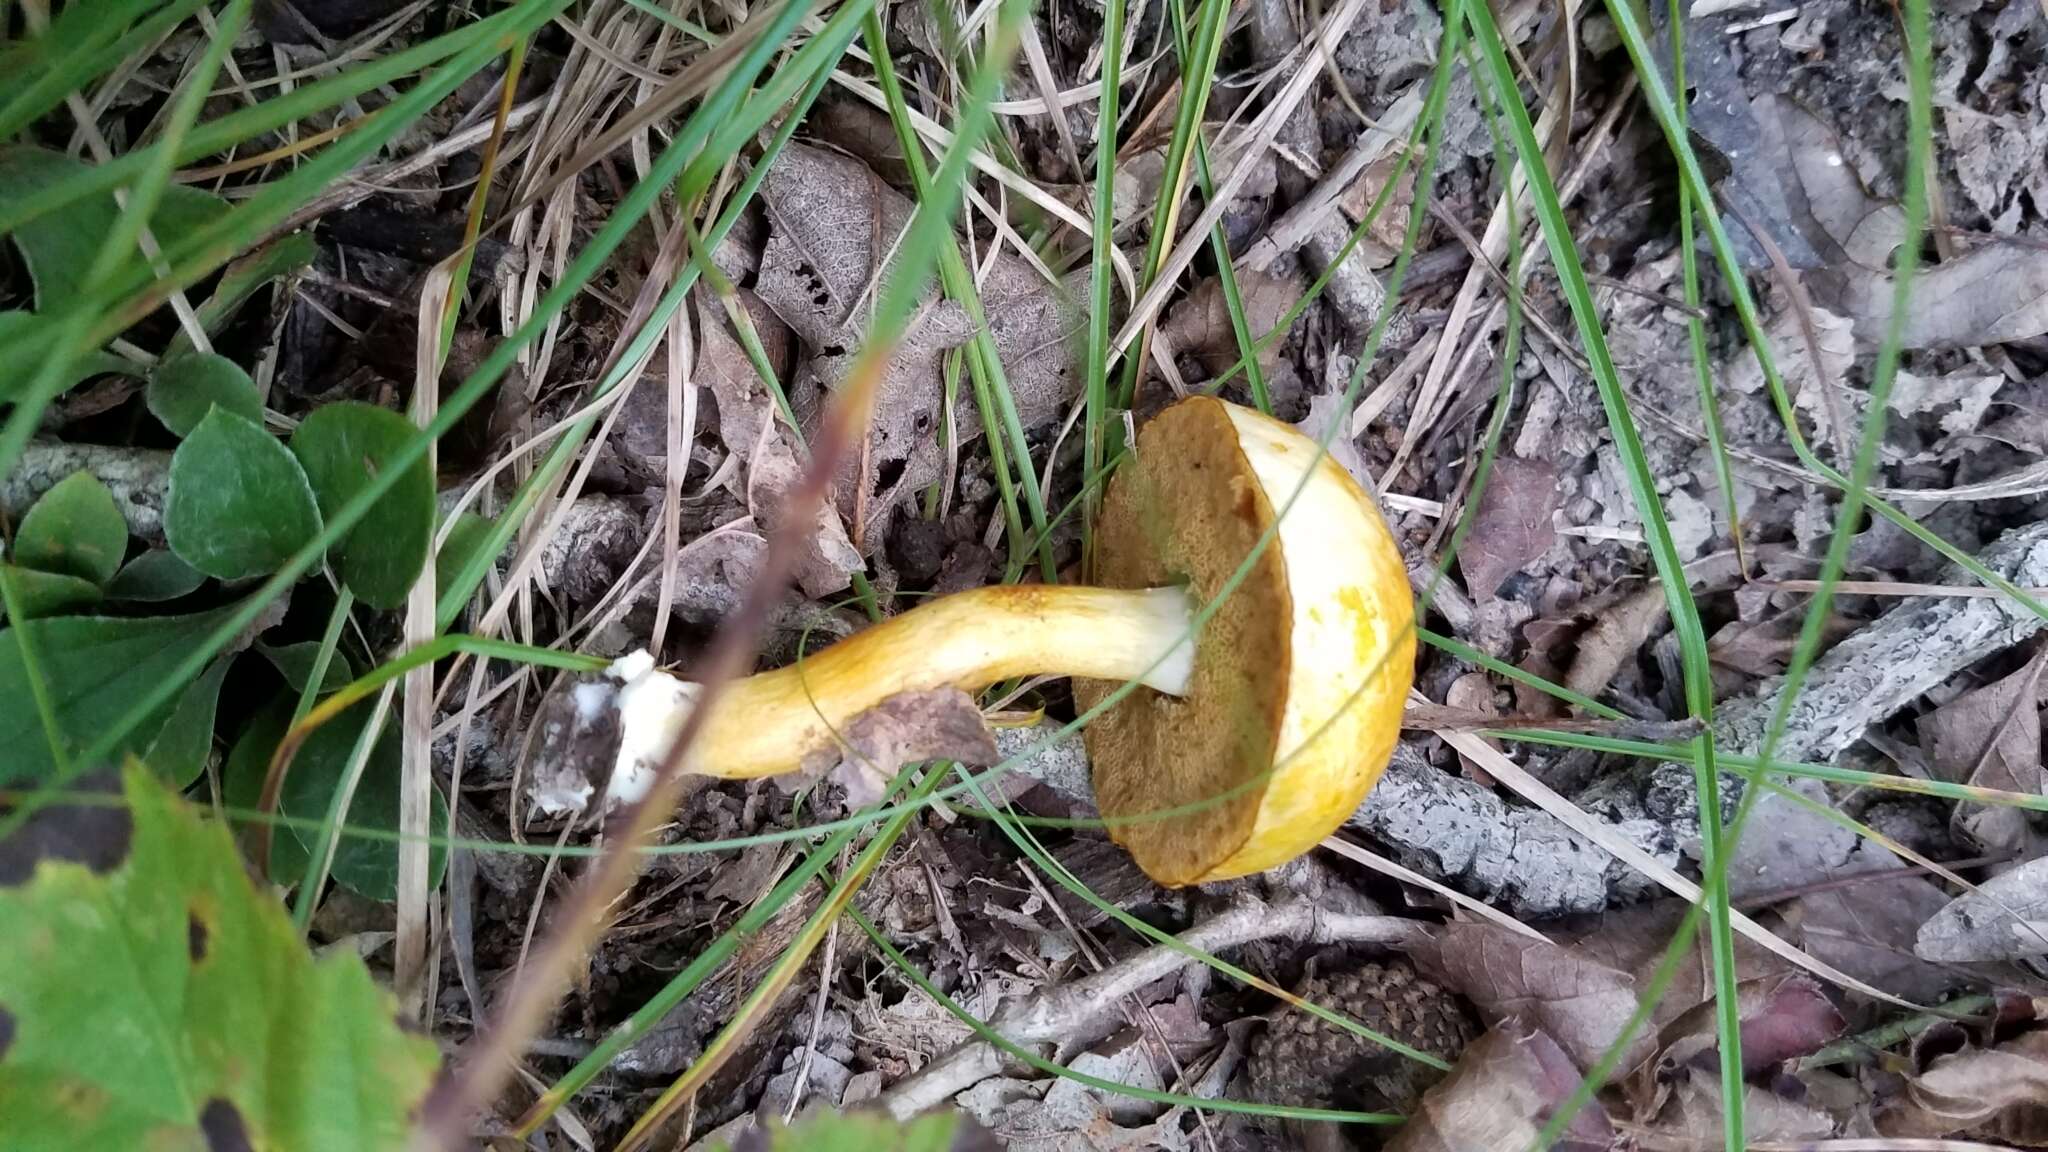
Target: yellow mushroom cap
<point x="1299" y="679"/>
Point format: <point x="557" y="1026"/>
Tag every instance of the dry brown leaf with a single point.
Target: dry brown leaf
<point x="1991" y="737"/>
<point x="1503" y="1091"/>
<point x="1579" y="1003"/>
<point x="1835" y="337"/>
<point x="2006" y="918"/>
<point x="745" y="406"/>
<point x="1965" y="396"/>
<point x="1616" y="636"/>
<point x="1867" y="930"/>
<point x="827" y="560"/>
<point x="1990" y="295"/>
<point x="1995" y="1094"/>
<point x="1324" y="410"/>
<point x="1783" y="1017"/>
<point x="832" y="221"/>
<point x="748" y="878"/>
<point x="1867" y="229"/>
<point x="1692" y="1119"/>
<point x="1199" y="325"/>
<point x="1512" y="526"/>
<point x="1473" y="693"/>
<point x="1633" y="939"/>
<point x="1389" y="230"/>
<point x="909" y="727"/>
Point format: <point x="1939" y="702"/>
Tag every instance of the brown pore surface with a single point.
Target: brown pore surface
<point x="1188" y="510"/>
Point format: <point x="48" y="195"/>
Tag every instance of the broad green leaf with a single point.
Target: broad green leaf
<point x="368" y="867"/>
<point x="155" y="576"/>
<point x="238" y="503"/>
<point x="47" y="593"/>
<point x="152" y="998"/>
<point x="470" y="533"/>
<point x="281" y="257"/>
<point x="342" y="446"/>
<point x="241" y="785"/>
<point x="295" y="663"/>
<point x="183" y="389"/>
<point x="95" y="668"/>
<point x="59" y="247"/>
<point x="178" y="754"/>
<point x="74" y="529"/>
<point x="867" y="1132"/>
<point x="17" y="368"/>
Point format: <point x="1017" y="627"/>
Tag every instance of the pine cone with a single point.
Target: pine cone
<point x="1306" y="1061"/>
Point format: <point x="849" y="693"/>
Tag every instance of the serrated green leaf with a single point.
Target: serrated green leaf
<point x="17" y="369"/>
<point x="155" y="576"/>
<point x="367" y="867"/>
<point x="295" y="663"/>
<point x="40" y="594"/>
<point x="74" y="529"/>
<point x="183" y="389"/>
<point x="238" y="503"/>
<point x="95" y="668"/>
<point x="341" y="446"/>
<point x="60" y="246"/>
<point x="178" y="754"/>
<point x="154" y="999"/>
<point x="868" y="1132"/>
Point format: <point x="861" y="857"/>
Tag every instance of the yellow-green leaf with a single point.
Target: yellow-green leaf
<point x="150" y="997"/>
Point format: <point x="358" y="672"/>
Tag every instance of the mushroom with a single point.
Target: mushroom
<point x="1242" y="749"/>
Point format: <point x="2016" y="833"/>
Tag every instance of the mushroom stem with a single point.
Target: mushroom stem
<point x="766" y="723"/>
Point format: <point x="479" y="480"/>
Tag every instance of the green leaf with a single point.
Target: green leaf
<point x="178" y="754"/>
<point x="154" y="999"/>
<point x="367" y="867"/>
<point x="47" y="593"/>
<point x="295" y="663"/>
<point x="241" y="785"/>
<point x="281" y="257"/>
<point x="465" y="538"/>
<point x="59" y="247"/>
<point x="867" y="1132"/>
<point x="155" y="576"/>
<point x="341" y="447"/>
<point x="470" y="533"/>
<point x="17" y="332"/>
<point x="74" y="529"/>
<point x="238" y="503"/>
<point x="95" y="668"/>
<point x="183" y="389"/>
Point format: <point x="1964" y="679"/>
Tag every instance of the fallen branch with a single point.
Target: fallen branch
<point x="1071" y="1009"/>
<point x="1891" y="661"/>
<point x="137" y="477"/>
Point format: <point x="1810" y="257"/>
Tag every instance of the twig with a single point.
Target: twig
<point x="1071" y="1008"/>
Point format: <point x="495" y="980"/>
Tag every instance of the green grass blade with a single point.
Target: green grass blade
<point x="632" y="207"/>
<point x="991" y="385"/>
<point x="244" y="124"/>
<point x="1096" y="415"/>
<point x="466" y="582"/>
<point x="1670" y="567"/>
<point x="43" y="89"/>
<point x="1219" y="241"/>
